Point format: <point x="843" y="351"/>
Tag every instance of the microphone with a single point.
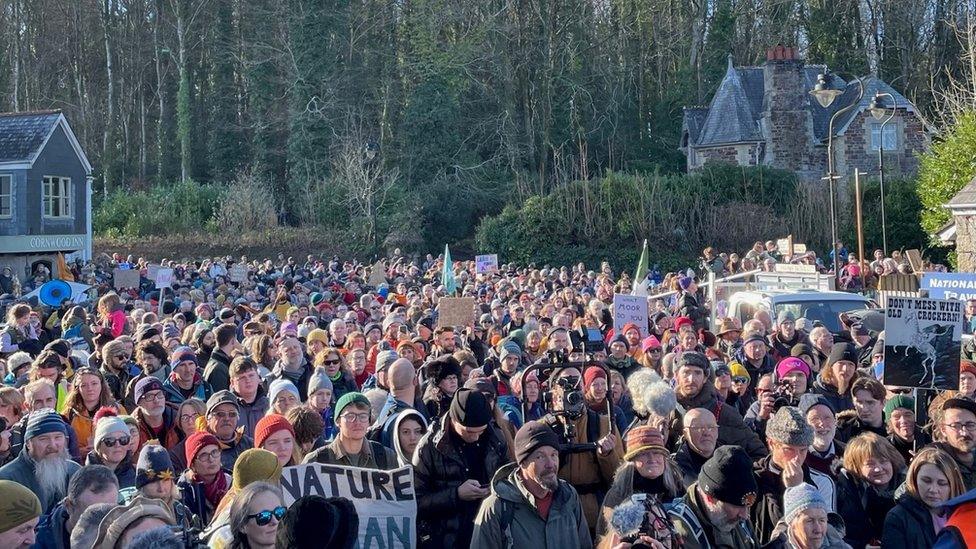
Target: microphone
<point x="627" y="518"/>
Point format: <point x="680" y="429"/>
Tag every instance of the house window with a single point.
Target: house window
<point x="6" y="195"/>
<point x="57" y="196"/>
<point x="890" y="136"/>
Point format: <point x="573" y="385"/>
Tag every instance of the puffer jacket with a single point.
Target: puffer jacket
<point x="439" y="469"/>
<point x="508" y="520"/>
<point x="252" y="413"/>
<point x="731" y="428"/>
<point x="838" y="401"/>
<point x="908" y="525"/>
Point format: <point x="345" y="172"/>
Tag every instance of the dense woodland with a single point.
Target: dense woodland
<point x="426" y="114"/>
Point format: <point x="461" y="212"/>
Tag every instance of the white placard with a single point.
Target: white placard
<point x="627" y="309"/>
<point x="923" y="343"/>
<point x="164" y="278"/>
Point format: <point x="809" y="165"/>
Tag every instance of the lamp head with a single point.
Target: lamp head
<point x="877" y="107"/>
<point x="823" y="93"/>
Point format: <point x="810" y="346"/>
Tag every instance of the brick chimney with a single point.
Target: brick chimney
<point x="786" y="121"/>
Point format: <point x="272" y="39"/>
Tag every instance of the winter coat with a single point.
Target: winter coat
<point x="439" y="468"/>
<point x="908" y="525"/>
<point x="838" y="401"/>
<point x="507" y="519"/>
<point x="968" y="471"/>
<point x="731" y="428"/>
<point x="689" y="463"/>
<point x="755" y="372"/>
<point x="217" y="371"/>
<point x="84" y="428"/>
<point x="626" y="365"/>
<point x="373" y="455"/>
<point x="623" y="488"/>
<point x="252" y="413"/>
<point x="863" y="508"/>
<point x="688" y="306"/>
<point x="170" y="436"/>
<point x="17" y="440"/>
<point x="193" y="497"/>
<point x="589" y="472"/>
<point x="781" y="348"/>
<point x="21" y="471"/>
<point x="125" y="472"/>
<point x="174" y="394"/>
<point x="511" y="407"/>
<point x="52" y="532"/>
<point x="688" y="517"/>
<point x="435" y="402"/>
<point x="768" y="509"/>
<point x="339" y="387"/>
<point x="849" y="426"/>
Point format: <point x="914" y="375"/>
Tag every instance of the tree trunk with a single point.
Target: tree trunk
<point x="108" y="136"/>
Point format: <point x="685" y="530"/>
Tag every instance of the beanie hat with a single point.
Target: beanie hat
<point x="532" y="436"/>
<point x="801" y="349"/>
<point x="279" y="385"/>
<point x="314" y="521"/>
<point x="317" y="334"/>
<point x="898" y="401"/>
<point x="590" y="375"/>
<point x="269" y="425"/>
<point x="370" y="327"/>
<point x="441" y="367"/>
<point x="785" y="316"/>
<point x="629" y="326"/>
<point x="736" y="369"/>
<point x="878" y="348"/>
<point x="789" y="426"/>
<point x="797" y="499"/>
<point x="842" y="351"/>
<point x="968" y="366"/>
<point x="619" y="338"/>
<point x="17" y="505"/>
<point x="644" y="437"/>
<point x="753" y="336"/>
<point x="482" y="385"/>
<point x="182" y="354"/>
<point x="196" y="442"/>
<point x="509" y="348"/>
<point x="682" y="321"/>
<point x="470" y="408"/>
<point x="809" y="400"/>
<point x="792" y="364"/>
<point x="153" y="464"/>
<point x="384" y="359"/>
<point x="108" y="425"/>
<point x="693" y="359"/>
<point x="727" y="476"/>
<point x="650" y="342"/>
<point x="315" y="298"/>
<point x="961" y="403"/>
<point x="221" y="397"/>
<point x="253" y="465"/>
<point x="684" y="282"/>
<point x="43" y="422"/>
<point x="319" y="380"/>
<point x="347" y="399"/>
<point x="145" y="385"/>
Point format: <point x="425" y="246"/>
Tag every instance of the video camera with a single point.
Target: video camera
<point x="642" y="515"/>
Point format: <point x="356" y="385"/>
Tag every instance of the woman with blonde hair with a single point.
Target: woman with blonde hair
<point x="866" y="485"/>
<point x="915" y="521"/>
<point x="254" y="516"/>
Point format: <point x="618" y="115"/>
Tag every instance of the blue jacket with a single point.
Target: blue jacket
<point x="51" y="531"/>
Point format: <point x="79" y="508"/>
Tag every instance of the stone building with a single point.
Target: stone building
<point x="766" y="116"/>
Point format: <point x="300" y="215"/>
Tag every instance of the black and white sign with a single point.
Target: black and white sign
<point x="923" y="343"/>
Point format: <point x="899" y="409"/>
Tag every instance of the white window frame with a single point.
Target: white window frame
<point x="890" y="137"/>
<point x="9" y="194"/>
<point x="67" y="205"/>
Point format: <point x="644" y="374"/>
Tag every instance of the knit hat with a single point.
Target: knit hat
<point x="693" y="359"/>
<point x="319" y="335"/>
<point x="753" y="336"/>
<point x="279" y="385"/>
<point x="801" y="349"/>
<point x="314" y="521"/>
<point x="319" y="380"/>
<point x="650" y="342"/>
<point x="532" y="436"/>
<point x="470" y="408"/>
<point x="153" y="464"/>
<point x="146" y="385"/>
<point x="682" y="321"/>
<point x="878" y="348"/>
<point x="961" y="403"/>
<point x="196" y="442"/>
<point x="799" y="498"/>
<point x="898" y="401"/>
<point x="792" y="364"/>
<point x="619" y="338"/>
<point x="736" y="369"/>
<point x="315" y="298"/>
<point x="221" y="397"/>
<point x="370" y="327"/>
<point x="684" y="282"/>
<point x="108" y="425"/>
<point x="17" y="505"/>
<point x="842" y="351"/>
<point x="441" y="367"/>
<point x="509" y="348"/>
<point x="720" y="368"/>
<point x="644" y="437"/>
<point x="809" y="400"/>
<point x="789" y="426"/>
<point x="269" y="425"/>
<point x="727" y="476"/>
<point x="590" y="375"/>
<point x="253" y="465"/>
<point x="182" y="354"/>
<point x="785" y="316"/>
<point x="967" y="366"/>
<point x="347" y="399"/>
<point x="384" y="359"/>
<point x="43" y="422"/>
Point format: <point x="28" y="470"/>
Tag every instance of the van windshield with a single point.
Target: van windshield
<point x="826" y="312"/>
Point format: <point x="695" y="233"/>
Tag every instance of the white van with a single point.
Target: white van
<point x="814" y="305"/>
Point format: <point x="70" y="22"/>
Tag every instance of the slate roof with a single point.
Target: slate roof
<point x="731" y="117"/>
<point x="22" y="134"/>
<point x="965" y="197"/>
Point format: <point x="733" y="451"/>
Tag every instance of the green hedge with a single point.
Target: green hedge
<point x="162" y="210"/>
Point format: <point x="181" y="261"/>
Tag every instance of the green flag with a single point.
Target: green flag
<point x="447" y="275"/>
<point x="640" y="273"/>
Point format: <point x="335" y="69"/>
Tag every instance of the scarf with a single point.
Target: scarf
<point x="214" y="491"/>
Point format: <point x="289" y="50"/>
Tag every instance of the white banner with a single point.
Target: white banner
<point x="923" y="343"/>
<point x="164" y="277"/>
<point x="627" y="309"/>
<point x="385" y="501"/>
<point x="486" y="263"/>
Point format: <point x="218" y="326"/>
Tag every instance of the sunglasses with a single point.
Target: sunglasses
<point x="111" y="442"/>
<point x="740" y="379"/>
<point x="262" y="518"/>
<point x="330" y="362"/>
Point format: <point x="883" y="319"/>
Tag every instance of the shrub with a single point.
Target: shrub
<point x="945" y="169"/>
<point x="246" y="205"/>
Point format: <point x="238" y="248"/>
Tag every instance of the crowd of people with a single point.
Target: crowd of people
<point x="166" y="419"/>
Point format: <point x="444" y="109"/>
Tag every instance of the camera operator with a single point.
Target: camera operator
<point x="590" y="471"/>
<point x="784" y="388"/>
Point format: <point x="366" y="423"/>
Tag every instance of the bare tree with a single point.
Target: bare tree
<point x="359" y="173"/>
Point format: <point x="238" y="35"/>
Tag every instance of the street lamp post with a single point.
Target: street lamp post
<point x="825" y="95"/>
<point x="879" y="112"/>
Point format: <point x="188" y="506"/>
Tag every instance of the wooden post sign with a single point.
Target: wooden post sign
<point x="455" y="311"/>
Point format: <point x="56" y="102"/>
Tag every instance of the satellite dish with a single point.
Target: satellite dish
<point x="54" y="292"/>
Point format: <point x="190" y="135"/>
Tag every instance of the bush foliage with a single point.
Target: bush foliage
<point x="945" y="169"/>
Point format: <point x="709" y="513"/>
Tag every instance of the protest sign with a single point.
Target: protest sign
<point x="960" y="286"/>
<point x="125" y="278"/>
<point x="915" y="260"/>
<point x="799" y="248"/>
<point x="455" y="311"/>
<point x="377" y="274"/>
<point x="794" y="268"/>
<point x="923" y="343"/>
<point x="627" y="309"/>
<point x="151" y="271"/>
<point x="486" y="263"/>
<point x="385" y="500"/>
<point x="785" y="246"/>
<point x="237" y="273"/>
<point x="164" y="278"/>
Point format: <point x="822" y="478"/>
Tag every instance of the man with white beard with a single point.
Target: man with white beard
<point x="43" y="465"/>
<point x="825" y="449"/>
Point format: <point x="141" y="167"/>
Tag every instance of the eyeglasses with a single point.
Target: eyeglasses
<point x="209" y="456"/>
<point x="702" y="430"/>
<point x="959" y="427"/>
<point x="111" y="442"/>
<point x="361" y="417"/>
<point x="262" y="518"/>
<point x="740" y="379"/>
<point x="655" y="351"/>
<point x="154" y="395"/>
<point x="189" y="417"/>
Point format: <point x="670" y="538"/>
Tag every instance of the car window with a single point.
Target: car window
<point x="825" y="312"/>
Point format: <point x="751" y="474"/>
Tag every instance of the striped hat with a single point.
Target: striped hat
<point x="43" y="422"/>
<point x="641" y="438"/>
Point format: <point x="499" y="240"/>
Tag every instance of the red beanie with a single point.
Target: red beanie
<point x="269" y="425"/>
<point x="591" y="374"/>
<point x="196" y="442"/>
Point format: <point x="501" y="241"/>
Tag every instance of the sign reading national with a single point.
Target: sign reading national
<point x="923" y="343"/>
<point x="385" y="500"/>
<point x="960" y="286"/>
